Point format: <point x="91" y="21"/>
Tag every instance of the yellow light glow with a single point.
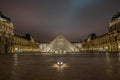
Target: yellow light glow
<point x="64" y="65"/>
<point x="106" y="47"/>
<point x="119" y="46"/>
<point x="16" y="49"/>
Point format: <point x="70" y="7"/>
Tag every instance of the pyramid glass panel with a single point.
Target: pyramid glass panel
<point x="60" y="45"/>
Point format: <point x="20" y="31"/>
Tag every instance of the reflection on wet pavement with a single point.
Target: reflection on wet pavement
<point x="37" y="67"/>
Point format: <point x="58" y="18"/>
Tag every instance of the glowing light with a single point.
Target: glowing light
<point x="118" y="46"/>
<point x="63" y="65"/>
<point x="106" y="47"/>
<point x="16" y="49"/>
<point x="59" y="63"/>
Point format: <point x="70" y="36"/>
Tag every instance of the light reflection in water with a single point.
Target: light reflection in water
<point x="107" y="54"/>
<point x="15" y="59"/>
<point x="107" y="58"/>
<point x="31" y="67"/>
<point x="60" y="70"/>
<point x="14" y="70"/>
<point x="119" y="57"/>
<point x="60" y="73"/>
<point x="109" y="69"/>
<point x="63" y="66"/>
<point x="119" y="54"/>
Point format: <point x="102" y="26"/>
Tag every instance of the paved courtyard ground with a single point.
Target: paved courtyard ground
<point x="75" y="67"/>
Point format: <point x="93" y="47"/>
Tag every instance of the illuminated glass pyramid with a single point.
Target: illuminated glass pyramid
<point x="60" y="45"/>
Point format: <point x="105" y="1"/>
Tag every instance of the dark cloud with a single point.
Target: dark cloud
<point x="47" y="18"/>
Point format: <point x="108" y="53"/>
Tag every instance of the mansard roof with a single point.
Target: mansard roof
<point x="116" y="16"/>
<point x="4" y="17"/>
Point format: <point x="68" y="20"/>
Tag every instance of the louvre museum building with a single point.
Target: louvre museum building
<point x="13" y="43"/>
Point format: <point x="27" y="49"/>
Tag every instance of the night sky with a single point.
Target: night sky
<point x="45" y="19"/>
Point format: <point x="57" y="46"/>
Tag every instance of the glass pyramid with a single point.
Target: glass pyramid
<point x="60" y="45"/>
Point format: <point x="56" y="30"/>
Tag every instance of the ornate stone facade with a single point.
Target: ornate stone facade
<point x="6" y="34"/>
<point x="22" y="44"/>
<point x="109" y="42"/>
<point x="114" y="33"/>
<point x="10" y="43"/>
<point x="99" y="44"/>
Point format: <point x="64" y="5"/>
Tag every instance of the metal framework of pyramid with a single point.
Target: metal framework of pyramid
<point x="60" y="45"/>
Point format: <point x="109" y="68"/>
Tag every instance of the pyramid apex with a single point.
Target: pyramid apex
<point x="60" y="45"/>
<point x="60" y="35"/>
